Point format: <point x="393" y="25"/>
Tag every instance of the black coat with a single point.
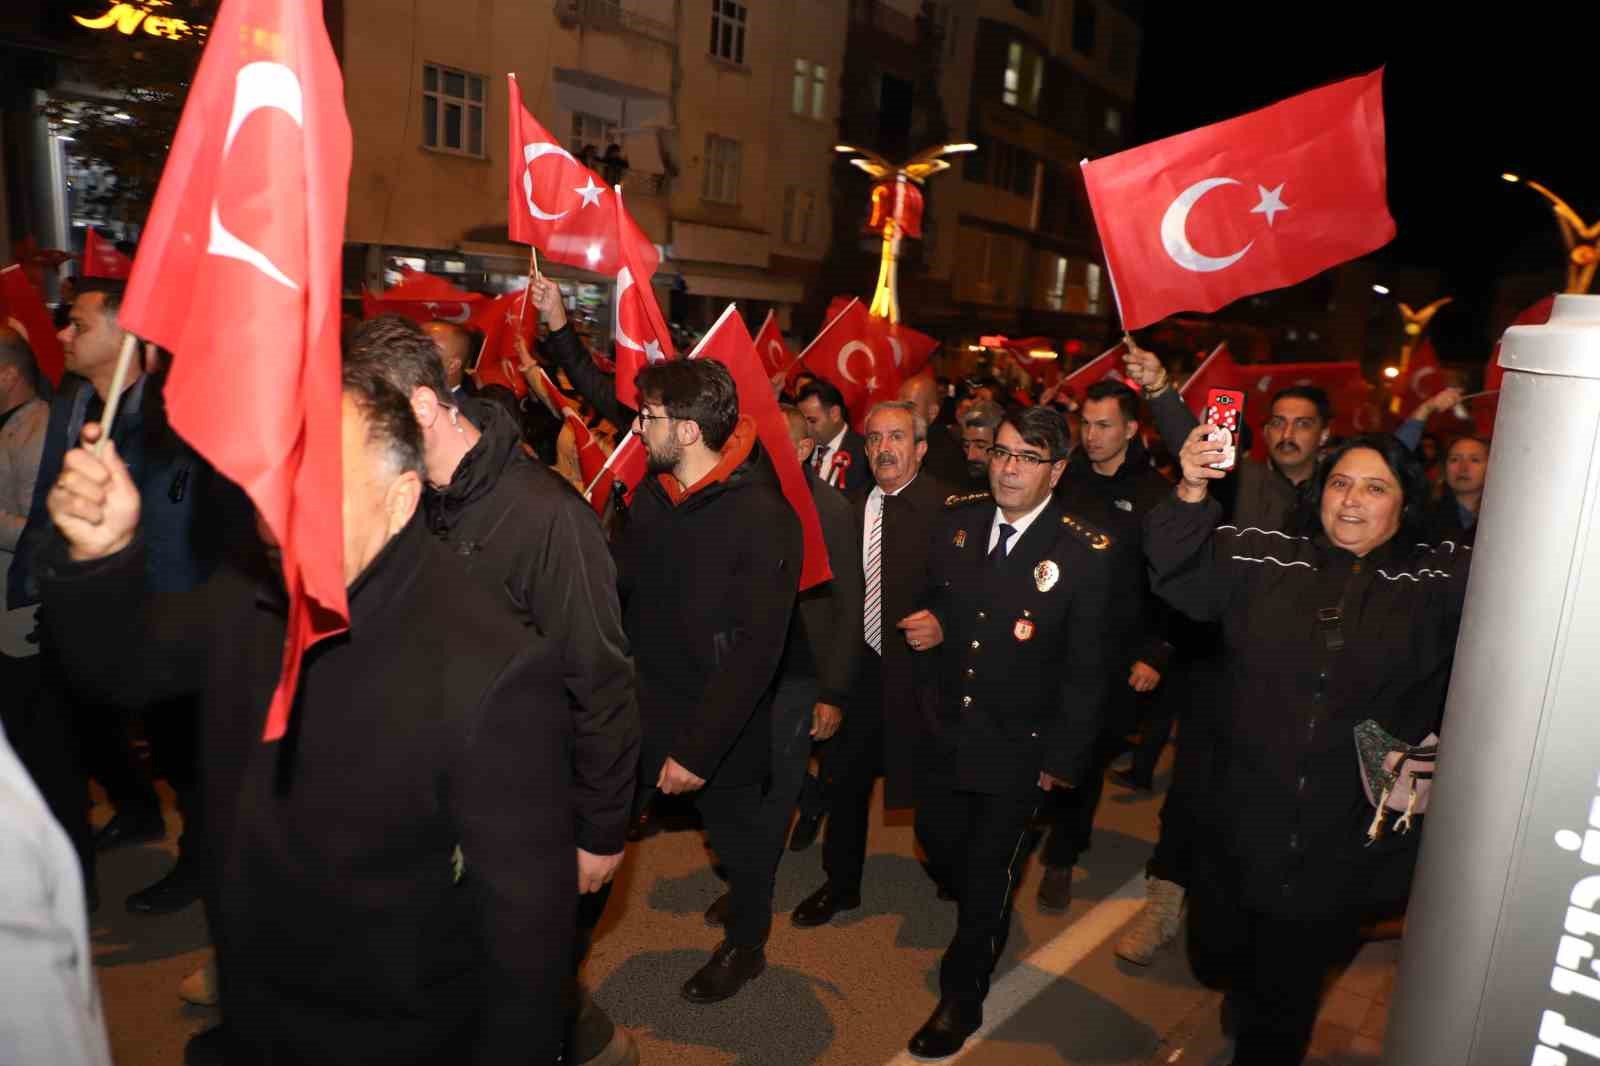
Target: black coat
<point x="433" y="729"/>
<point x="910" y="520"/>
<point x="1290" y="809"/>
<point x="1135" y="627"/>
<point x="1022" y="672"/>
<point x="1442" y="522"/>
<point x="536" y="547"/>
<point x="945" y="460"/>
<point x="848" y="472"/>
<point x="708" y="583"/>
<point x="825" y="637"/>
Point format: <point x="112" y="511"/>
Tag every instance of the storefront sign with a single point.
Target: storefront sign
<point x="127" y="18"/>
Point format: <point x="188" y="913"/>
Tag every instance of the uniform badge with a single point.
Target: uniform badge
<point x="1123" y="505"/>
<point x="1045" y="575"/>
<point x="961" y="538"/>
<point x="1022" y="629"/>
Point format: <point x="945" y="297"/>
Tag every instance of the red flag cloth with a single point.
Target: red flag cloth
<point x="591" y="456"/>
<point x="1354" y="408"/>
<point x="1105" y="366"/>
<point x="23" y="309"/>
<point x="642" y="336"/>
<point x="776" y="358"/>
<point x="1421" y="379"/>
<point x="909" y="348"/>
<point x="238" y="274"/>
<point x="558" y="205"/>
<point x="101" y="258"/>
<point x="855" y="356"/>
<point x="626" y="464"/>
<point x="35" y="260"/>
<point x="424" y="298"/>
<point x="729" y="343"/>
<point x="501" y="319"/>
<point x="1484" y="407"/>
<point x="1196" y="221"/>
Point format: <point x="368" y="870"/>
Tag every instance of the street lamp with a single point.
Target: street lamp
<point x="1583" y="249"/>
<point x="902" y="215"/>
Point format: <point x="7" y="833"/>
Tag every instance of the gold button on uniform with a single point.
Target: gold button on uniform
<point x="971" y="672"/>
<point x="982" y="617"/>
<point x="966" y="701"/>
<point x="975" y="645"/>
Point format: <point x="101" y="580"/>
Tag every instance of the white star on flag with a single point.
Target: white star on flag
<point x="591" y="192"/>
<point x="652" y="351"/>
<point x="1271" y="202"/>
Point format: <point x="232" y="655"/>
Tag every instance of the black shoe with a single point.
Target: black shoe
<point x="730" y="968"/>
<point x="804" y="834"/>
<point x="130" y="829"/>
<point x="943" y="1034"/>
<point x="172" y="893"/>
<point x="594" y="1040"/>
<point x="1127" y="779"/>
<point x="642" y="826"/>
<point x="1055" y="891"/>
<point x="213" y="1047"/>
<point x="717" y="913"/>
<point x="820" y="907"/>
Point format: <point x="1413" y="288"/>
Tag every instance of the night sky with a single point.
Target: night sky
<point x="1465" y="98"/>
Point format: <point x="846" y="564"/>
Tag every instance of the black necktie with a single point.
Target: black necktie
<point x="997" y="554"/>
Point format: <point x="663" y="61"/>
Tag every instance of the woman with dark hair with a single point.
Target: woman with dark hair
<point x="1353" y="621"/>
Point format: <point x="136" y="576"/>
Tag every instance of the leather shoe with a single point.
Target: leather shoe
<point x="130" y="829"/>
<point x="943" y="1034"/>
<point x="172" y="893"/>
<point x="1055" y="891"/>
<point x="820" y="907"/>
<point x="1126" y="779"/>
<point x="717" y="913"/>
<point x="804" y="834"/>
<point x="730" y="968"/>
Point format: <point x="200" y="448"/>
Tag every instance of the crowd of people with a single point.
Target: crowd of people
<point x="1022" y="595"/>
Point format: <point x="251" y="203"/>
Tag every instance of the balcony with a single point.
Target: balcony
<point x="611" y="16"/>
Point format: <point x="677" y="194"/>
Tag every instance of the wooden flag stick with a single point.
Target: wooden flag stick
<point x="533" y="272"/>
<point x="588" y="492"/>
<point x="130" y="344"/>
<point x="1477" y="395"/>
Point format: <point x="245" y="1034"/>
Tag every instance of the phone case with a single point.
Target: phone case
<point x="1225" y="410"/>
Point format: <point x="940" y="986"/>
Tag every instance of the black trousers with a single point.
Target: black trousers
<point x="853" y="762"/>
<point x="1193" y="771"/>
<point x="976" y="846"/>
<point x="1274" y="969"/>
<point x="737" y="829"/>
<point x="1071" y="810"/>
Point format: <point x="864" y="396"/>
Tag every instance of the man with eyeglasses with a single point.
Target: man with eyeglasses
<point x="1018" y="589"/>
<point x="897" y="518"/>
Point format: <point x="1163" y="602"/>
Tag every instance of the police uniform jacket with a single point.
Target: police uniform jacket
<point x="1022" y="674"/>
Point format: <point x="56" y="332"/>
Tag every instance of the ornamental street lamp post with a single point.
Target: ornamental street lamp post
<point x="1583" y="241"/>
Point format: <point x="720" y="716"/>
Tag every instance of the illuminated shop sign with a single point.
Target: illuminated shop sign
<point x="129" y="18"/>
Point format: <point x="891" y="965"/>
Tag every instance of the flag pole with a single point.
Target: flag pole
<point x="533" y="272"/>
<point x="130" y="343"/>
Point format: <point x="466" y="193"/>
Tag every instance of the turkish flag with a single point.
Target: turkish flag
<point x="776" y="358"/>
<point x="424" y="298"/>
<point x="23" y="309"/>
<point x="1484" y="407"/>
<point x="101" y="258"/>
<point x="910" y="349"/>
<point x="35" y="260"/>
<point x="1196" y="221"/>
<point x="1421" y="379"/>
<point x="558" y="205"/>
<point x="1107" y="366"/>
<point x="238" y="275"/>
<point x="1354" y="408"/>
<point x="501" y="320"/>
<point x="855" y="356"/>
<point x="625" y="464"/>
<point x="642" y="336"/>
<point x="729" y="343"/>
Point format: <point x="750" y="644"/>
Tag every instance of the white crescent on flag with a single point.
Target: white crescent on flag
<point x="531" y="152"/>
<point x="844" y="359"/>
<point x="1175" y="236"/>
<point x="257" y="86"/>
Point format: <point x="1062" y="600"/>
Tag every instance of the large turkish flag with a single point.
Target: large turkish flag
<point x="238" y="274"/>
<point x="855" y="355"/>
<point x="1196" y="221"/>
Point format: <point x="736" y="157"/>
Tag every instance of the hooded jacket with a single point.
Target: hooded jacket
<point x="535" y="545"/>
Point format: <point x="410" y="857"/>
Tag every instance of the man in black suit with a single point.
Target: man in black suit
<point x="897" y="517"/>
<point x="1019" y="589"/>
<point x="840" y="458"/>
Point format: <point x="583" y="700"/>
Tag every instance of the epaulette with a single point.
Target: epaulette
<point x="1094" y="538"/>
<point x="963" y="499"/>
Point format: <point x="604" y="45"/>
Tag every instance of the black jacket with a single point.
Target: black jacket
<point x="848" y="472"/>
<point x="1442" y="522"/>
<point x="825" y="636"/>
<point x="1290" y="807"/>
<point x="593" y="384"/>
<point x="946" y="460"/>
<point x="910" y="521"/>
<point x="1118" y="504"/>
<point x="535" y="545"/>
<point x="708" y="583"/>
<point x="432" y="729"/>
<point x="1022" y="668"/>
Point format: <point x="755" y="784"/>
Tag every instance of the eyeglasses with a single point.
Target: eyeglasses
<point x="1028" y="460"/>
<point x="644" y="418"/>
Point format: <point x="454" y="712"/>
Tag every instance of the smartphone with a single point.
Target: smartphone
<point x="1225" y="412"/>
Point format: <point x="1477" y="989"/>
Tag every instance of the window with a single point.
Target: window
<point x="727" y="30"/>
<point x="819" y="90"/>
<point x="1024" y="77"/>
<point x="798" y="207"/>
<point x="1055" y="296"/>
<point x="452" y="110"/>
<point x="1091" y="285"/>
<point x="591" y="130"/>
<point x="1114" y="121"/>
<point x="802" y="79"/>
<point x="1083" y="27"/>
<point x="721" y="181"/>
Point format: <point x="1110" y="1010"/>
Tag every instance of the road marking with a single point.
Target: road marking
<point x="1025" y="981"/>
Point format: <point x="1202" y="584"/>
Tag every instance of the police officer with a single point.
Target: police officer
<point x="1019" y="590"/>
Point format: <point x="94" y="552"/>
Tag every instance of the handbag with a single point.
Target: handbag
<point x="1396" y="775"/>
